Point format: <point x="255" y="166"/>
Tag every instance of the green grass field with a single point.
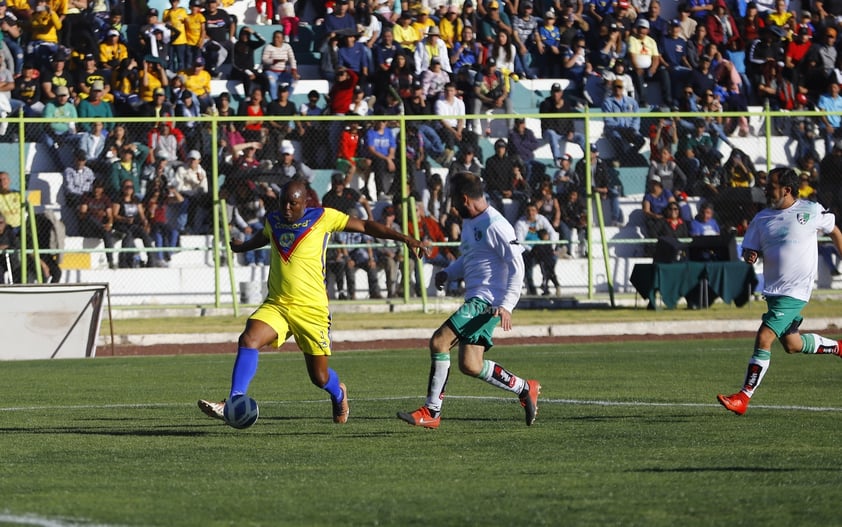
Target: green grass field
<point x="626" y="435"/>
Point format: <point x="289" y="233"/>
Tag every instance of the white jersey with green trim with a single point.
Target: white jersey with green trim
<point x="490" y="260"/>
<point x="787" y="240"/>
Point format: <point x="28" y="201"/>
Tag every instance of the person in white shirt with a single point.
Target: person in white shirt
<point x="785" y="235"/>
<point x="451" y="127"/>
<point x="490" y="263"/>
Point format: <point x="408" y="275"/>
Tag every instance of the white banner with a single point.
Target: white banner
<point x="50" y="321"/>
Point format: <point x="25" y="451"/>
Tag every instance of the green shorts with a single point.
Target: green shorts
<point x="474" y="322"/>
<point x="784" y="313"/>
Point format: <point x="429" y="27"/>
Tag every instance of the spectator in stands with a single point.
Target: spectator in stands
<point x="130" y="221"/>
<point x="87" y="75"/>
<point x="194" y="32"/>
<point x="573" y="219"/>
<point x="9" y="240"/>
<point x="381" y="148"/>
<point x="10" y="205"/>
<point x="558" y="131"/>
<point x="291" y="168"/>
<point x="279" y="130"/>
<point x="329" y="58"/>
<point x="163" y="143"/>
<point x="27" y="92"/>
<point x="450" y="26"/>
<point x="804" y="131"/>
<point x="54" y="76"/>
<point x="494" y="21"/>
<point x="622" y="131"/>
<point x="337" y="270"/>
<point x="655" y="202"/>
<point x="576" y="66"/>
<point x="390" y="256"/>
<point x="112" y="51"/>
<point x="313" y="134"/>
<point x="92" y="144"/>
<point x="451" y="128"/>
<point x="704" y="224"/>
<point x="433" y="198"/>
<point x="467" y="54"/>
<point x="646" y="64"/>
<point x="548" y="46"/>
<point x="220" y="28"/>
<point x="155" y="38"/>
<point x="431" y="235"/>
<point x="243" y="58"/>
<point x="344" y="199"/>
<point x="191" y="181"/>
<point x="796" y="51"/>
<point x="355" y="56"/>
<point x="159" y="107"/>
<point x="351" y="155"/>
<point x="830" y="102"/>
<point x="340" y="21"/>
<point x="491" y="93"/>
<point x="11" y="32"/>
<point x="722" y="28"/>
<point x="175" y="18"/>
<point x="384" y="51"/>
<point x="548" y="204"/>
<point x="285" y="15"/>
<point x="61" y="137"/>
<point x="198" y="81"/>
<point x="125" y="86"/>
<point x="405" y="33"/>
<point x="129" y="167"/>
<point x="671" y="225"/>
<point x="663" y="135"/>
<point x="433" y="81"/>
<point x="769" y="48"/>
<point x="527" y="229"/>
<point x="360" y="258"/>
<point x="401" y="76"/>
<point x="612" y="48"/>
<point x="94" y="107"/>
<point x="523" y="143"/>
<point x="96" y="218"/>
<point x="44" y="28"/>
<point x="431" y="48"/>
<point x="566" y="178"/>
<point x="246" y="219"/>
<point x="504" y="179"/>
<point x="672" y="177"/>
<point x="524" y="30"/>
<point x="674" y="57"/>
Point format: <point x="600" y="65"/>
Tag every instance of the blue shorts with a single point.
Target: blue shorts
<point x="474" y="322"/>
<point x="784" y="313"/>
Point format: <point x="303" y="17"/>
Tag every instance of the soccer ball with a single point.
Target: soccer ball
<point x="240" y="411"/>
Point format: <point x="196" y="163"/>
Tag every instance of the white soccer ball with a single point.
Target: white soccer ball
<point x="240" y="411"/>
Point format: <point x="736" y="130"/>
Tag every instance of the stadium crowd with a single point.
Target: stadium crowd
<point x="443" y="58"/>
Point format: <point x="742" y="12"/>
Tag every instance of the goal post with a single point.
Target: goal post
<point x="50" y="321"/>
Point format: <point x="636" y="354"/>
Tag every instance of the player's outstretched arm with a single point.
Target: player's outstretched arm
<point x="255" y="242"/>
<point x="378" y="230"/>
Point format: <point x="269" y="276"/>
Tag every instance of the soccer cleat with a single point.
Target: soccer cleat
<point x="529" y="400"/>
<point x="421" y="417"/>
<point x="341" y="409"/>
<point x="737" y="403"/>
<point x="212" y="409"/>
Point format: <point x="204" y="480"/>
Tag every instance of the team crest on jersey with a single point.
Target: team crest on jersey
<point x="477" y="234"/>
<point x="802" y="218"/>
<point x="287" y="236"/>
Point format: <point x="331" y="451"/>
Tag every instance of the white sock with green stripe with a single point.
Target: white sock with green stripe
<point x="757" y="367"/>
<point x="439" y="372"/>
<point x="498" y="376"/>
<point x="812" y="343"/>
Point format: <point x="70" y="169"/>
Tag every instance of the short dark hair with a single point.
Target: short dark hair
<point x="787" y="177"/>
<point x="466" y="183"/>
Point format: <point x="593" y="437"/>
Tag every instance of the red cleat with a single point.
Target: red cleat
<point x="529" y="400"/>
<point x="737" y="403"/>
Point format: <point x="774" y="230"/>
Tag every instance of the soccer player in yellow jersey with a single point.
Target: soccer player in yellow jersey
<point x="297" y="302"/>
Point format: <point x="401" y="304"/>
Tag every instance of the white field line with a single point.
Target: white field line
<point x="40" y="521"/>
<point x="577" y="402"/>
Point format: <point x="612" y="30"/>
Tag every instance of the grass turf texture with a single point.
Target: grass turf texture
<point x="626" y="435"/>
<point x="360" y="321"/>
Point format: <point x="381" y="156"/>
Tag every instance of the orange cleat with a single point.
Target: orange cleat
<point x="529" y="400"/>
<point x="737" y="403"/>
<point x="421" y="417"/>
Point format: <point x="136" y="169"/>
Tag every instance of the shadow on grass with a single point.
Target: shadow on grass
<point x="180" y="432"/>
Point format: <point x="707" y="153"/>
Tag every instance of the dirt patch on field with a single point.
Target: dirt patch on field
<point x="231" y="347"/>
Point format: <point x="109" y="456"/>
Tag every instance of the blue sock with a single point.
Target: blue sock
<point x="332" y="386"/>
<point x="245" y="366"/>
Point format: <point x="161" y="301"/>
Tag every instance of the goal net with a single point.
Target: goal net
<point x="50" y="321"/>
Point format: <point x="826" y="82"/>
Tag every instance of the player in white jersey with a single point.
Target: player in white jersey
<point x="785" y="235"/>
<point x="491" y="265"/>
